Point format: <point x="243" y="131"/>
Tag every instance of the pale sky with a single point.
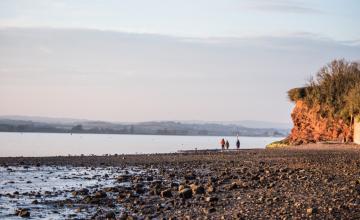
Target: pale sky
<point x="142" y="60"/>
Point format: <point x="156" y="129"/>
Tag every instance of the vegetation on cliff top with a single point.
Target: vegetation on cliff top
<point x="336" y="89"/>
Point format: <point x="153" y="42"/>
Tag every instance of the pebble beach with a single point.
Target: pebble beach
<point x="304" y="182"/>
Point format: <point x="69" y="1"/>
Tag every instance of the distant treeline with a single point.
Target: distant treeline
<point x="146" y="128"/>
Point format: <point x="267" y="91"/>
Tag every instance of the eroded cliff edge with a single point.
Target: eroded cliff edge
<point x="311" y="127"/>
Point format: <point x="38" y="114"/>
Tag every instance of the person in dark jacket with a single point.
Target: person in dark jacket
<point x="238" y="143"/>
<point x="227" y="145"/>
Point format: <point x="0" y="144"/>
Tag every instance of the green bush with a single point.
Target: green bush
<point x="336" y="88"/>
<point x="297" y="93"/>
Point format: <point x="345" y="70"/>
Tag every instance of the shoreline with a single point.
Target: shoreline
<point x="181" y="154"/>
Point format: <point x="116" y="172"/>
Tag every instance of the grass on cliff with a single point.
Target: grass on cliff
<point x="278" y="144"/>
<point x="336" y="88"/>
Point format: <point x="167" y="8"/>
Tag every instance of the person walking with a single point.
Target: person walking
<point x="238" y="143"/>
<point x="227" y="145"/>
<point x="222" y="143"/>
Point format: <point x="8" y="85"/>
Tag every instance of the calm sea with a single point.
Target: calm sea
<point x="44" y="144"/>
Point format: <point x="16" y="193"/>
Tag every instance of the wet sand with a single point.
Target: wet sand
<point x="314" y="181"/>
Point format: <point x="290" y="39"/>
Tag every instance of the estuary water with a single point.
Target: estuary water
<point x="54" y="144"/>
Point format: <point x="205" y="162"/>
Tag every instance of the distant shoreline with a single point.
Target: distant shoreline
<point x="152" y="157"/>
<point x="114" y="133"/>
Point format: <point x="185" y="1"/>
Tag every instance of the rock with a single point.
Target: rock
<point x="211" y="199"/>
<point x="166" y="193"/>
<point x="231" y="186"/>
<point x="24" y="213"/>
<point x="272" y="184"/>
<point x="124" y="216"/>
<point x="71" y="216"/>
<point x="100" y="194"/>
<point x="35" y="202"/>
<point x="209" y="210"/>
<point x="186" y="193"/>
<point x="197" y="189"/>
<point x="174" y="184"/>
<point x="190" y="176"/>
<point x="155" y="191"/>
<point x="212" y="179"/>
<point x="210" y="189"/>
<point x="297" y="204"/>
<point x="148" y="209"/>
<point x="123" y="178"/>
<point x="139" y="188"/>
<point x="110" y="215"/>
<point x="82" y="192"/>
<point x="181" y="187"/>
<point x="311" y="211"/>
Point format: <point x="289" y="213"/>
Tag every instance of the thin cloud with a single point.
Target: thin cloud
<point x="285" y="7"/>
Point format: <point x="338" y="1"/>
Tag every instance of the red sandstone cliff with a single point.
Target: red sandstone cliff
<point x="310" y="126"/>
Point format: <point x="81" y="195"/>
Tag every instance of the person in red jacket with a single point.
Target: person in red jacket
<point x="222" y="143"/>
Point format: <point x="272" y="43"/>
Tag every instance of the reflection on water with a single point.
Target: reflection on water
<point x="39" y="190"/>
<point x="43" y="144"/>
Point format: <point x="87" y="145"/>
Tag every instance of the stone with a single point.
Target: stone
<point x="166" y="193"/>
<point x="23" y="213"/>
<point x="231" y="186"/>
<point x="211" y="199"/>
<point x="209" y="210"/>
<point x="82" y="192"/>
<point x="210" y="189"/>
<point x="35" y="202"/>
<point x="100" y="194"/>
<point x="196" y="189"/>
<point x="123" y="178"/>
<point x="181" y="187"/>
<point x="186" y="193"/>
<point x="311" y="211"/>
<point x="110" y="215"/>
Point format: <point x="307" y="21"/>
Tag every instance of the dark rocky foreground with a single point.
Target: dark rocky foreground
<point x="249" y="184"/>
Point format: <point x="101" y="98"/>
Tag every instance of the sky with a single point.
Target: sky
<point x="141" y="60"/>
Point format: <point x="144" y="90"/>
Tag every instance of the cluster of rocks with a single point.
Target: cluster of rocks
<point x="263" y="184"/>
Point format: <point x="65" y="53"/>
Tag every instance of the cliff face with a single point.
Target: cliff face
<point x="310" y="126"/>
<point x="357" y="131"/>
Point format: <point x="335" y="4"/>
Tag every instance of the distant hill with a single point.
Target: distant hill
<point x="66" y="125"/>
<point x="264" y="124"/>
<point x="42" y="119"/>
<point x="248" y="124"/>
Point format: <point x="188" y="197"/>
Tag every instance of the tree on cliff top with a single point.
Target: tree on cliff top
<point x="336" y="88"/>
<point x="352" y="107"/>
